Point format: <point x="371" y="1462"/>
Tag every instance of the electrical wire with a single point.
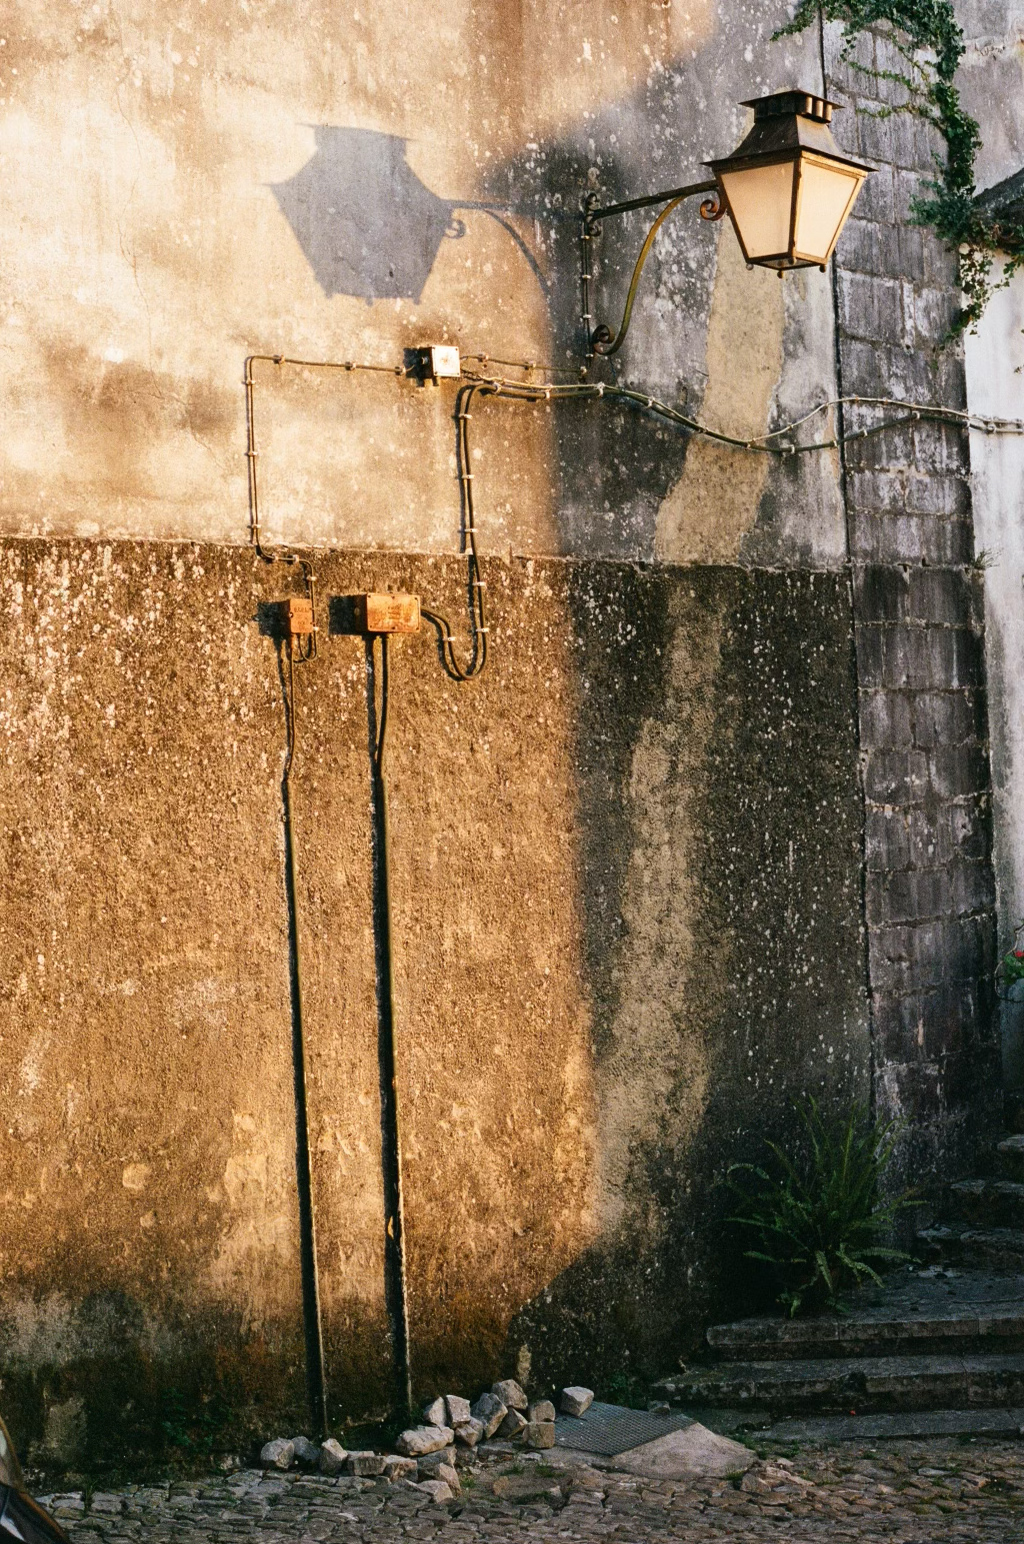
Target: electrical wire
<point x="913" y="412"/>
<point x="527" y="364"/>
<point x="301" y="649"/>
<point x="533" y="391"/>
<point x="492" y="385"/>
<point x="251" y="451"/>
<point x="476" y="584"/>
<point x="308" y="650"/>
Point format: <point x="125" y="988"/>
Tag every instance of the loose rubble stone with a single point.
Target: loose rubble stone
<point x="510" y="1394"/>
<point x="398" y="1468"/>
<point x="365" y="1462"/>
<point x="692" y="1451"/>
<point x="431" y="1462"/>
<point x="437" y="1490"/>
<point x="458" y="1410"/>
<point x="576" y="1401"/>
<point x="279" y="1454"/>
<point x="541" y="1410"/>
<point x="419" y="1440"/>
<point x="491" y="1411"/>
<point x="305" y="1451"/>
<point x="539" y="1434"/>
<point x="435" y="1414"/>
<point x="332" y="1456"/>
<point x="512" y="1426"/>
<point x="447" y="1473"/>
<point x="470" y="1432"/>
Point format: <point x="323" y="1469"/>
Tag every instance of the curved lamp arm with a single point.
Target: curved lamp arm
<point x="601" y="340"/>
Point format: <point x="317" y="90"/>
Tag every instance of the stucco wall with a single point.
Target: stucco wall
<point x="627" y="930"/>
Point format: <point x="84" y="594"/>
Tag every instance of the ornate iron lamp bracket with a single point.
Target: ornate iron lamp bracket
<point x="601" y="339"/>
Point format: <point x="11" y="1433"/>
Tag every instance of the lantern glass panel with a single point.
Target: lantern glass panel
<point x="824" y="198"/>
<point x="761" y="204"/>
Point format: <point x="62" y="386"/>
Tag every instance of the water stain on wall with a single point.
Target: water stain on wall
<point x="715" y="502"/>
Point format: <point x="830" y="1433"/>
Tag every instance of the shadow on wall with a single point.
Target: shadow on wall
<point x="369" y="228"/>
<point x="719" y="852"/>
<point x="367" y="225"/>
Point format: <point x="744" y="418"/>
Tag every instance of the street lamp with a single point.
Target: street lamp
<point x="787" y="187"/>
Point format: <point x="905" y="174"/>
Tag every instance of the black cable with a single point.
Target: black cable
<point x="395" y="1281"/>
<point x="475" y="582"/>
<point x="316" y="1379"/>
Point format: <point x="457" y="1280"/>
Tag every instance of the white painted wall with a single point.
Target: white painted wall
<point x="995" y="384"/>
<point x="991" y="81"/>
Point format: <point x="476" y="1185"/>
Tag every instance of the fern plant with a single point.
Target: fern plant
<point x="819" y="1219"/>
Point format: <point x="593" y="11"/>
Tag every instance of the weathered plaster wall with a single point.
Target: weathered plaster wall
<point x="627" y="861"/>
<point x="189" y="183"/>
<point x="627" y="930"/>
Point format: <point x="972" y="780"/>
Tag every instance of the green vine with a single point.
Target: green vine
<point x="927" y="38"/>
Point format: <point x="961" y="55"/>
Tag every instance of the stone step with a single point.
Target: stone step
<point x="1010" y="1157"/>
<point x="956" y="1243"/>
<point x="827" y="1429"/>
<point x="986" y="1203"/>
<point x="852" y="1386"/>
<point x="916" y="1319"/>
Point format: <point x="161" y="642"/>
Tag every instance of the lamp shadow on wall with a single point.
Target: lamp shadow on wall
<point x="367" y="225"/>
<point x="370" y="228"/>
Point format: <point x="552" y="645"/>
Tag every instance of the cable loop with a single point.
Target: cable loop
<point x="475" y="585"/>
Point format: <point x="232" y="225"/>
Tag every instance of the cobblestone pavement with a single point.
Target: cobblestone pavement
<point x="900" y="1492"/>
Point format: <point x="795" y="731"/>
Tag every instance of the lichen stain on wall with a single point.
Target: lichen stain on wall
<point x="718" y="835"/>
<point x="563" y="960"/>
<point x="715" y="502"/>
<point x="146" y="1039"/>
<point x="132" y="837"/>
<point x="645" y="1060"/>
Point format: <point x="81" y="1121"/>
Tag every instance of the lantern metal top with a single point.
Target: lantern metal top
<point x="788" y="186"/>
<point x="793" y="100"/>
<point x="788" y="121"/>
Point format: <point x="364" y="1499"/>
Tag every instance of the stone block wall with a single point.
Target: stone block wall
<point x="928" y="883"/>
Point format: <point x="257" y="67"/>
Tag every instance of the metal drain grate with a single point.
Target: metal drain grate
<point x="611" y="1429"/>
